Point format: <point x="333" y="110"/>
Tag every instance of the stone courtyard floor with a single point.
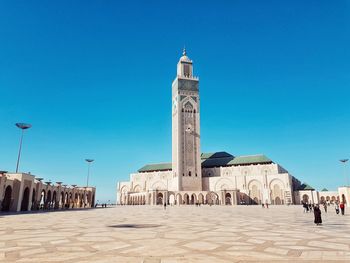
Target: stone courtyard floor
<point x="179" y="234"/>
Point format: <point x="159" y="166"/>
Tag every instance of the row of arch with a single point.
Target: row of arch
<point x="211" y="198"/>
<point x="328" y="199"/>
<point x="48" y="199"/>
<point x="175" y="198"/>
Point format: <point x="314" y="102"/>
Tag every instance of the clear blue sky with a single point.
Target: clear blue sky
<point x="94" y="78"/>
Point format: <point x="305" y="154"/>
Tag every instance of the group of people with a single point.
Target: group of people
<point x="265" y="205"/>
<point x="102" y="205"/>
<point x="317" y="211"/>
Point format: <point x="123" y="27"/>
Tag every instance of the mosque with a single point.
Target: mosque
<point x="219" y="178"/>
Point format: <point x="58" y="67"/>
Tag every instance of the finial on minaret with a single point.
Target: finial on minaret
<point x="184" y="51"/>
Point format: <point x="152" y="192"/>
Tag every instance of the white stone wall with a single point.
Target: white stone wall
<point x="267" y="183"/>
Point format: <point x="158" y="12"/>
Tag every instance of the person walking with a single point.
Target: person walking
<point x="325" y="206"/>
<point x="336" y="208"/>
<point x="164" y="206"/>
<point x="342" y="208"/>
<point x="317" y="214"/>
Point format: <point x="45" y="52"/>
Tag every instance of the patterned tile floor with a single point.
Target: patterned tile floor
<point x="180" y="234"/>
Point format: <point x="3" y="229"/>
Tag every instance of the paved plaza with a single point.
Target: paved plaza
<point x="179" y="234"/>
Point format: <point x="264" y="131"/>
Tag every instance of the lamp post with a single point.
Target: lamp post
<point x="22" y="126"/>
<point x="89" y="161"/>
<point x="346" y="178"/>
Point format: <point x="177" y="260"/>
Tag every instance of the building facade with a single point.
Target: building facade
<point x="207" y="178"/>
<point x="25" y="192"/>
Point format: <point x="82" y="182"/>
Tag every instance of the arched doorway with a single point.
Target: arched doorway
<point x="6" y="202"/>
<point x="277" y="193"/>
<point x="42" y="199"/>
<point x="159" y="199"/>
<point x="48" y="200"/>
<point x="70" y="204"/>
<point x="186" y="199"/>
<point x="333" y="199"/>
<point x="201" y="198"/>
<point x="66" y="201"/>
<point x="193" y="199"/>
<point x="212" y="198"/>
<point x="76" y="200"/>
<point x="33" y="207"/>
<point x="25" y="200"/>
<point x="62" y="200"/>
<point x="228" y="199"/>
<point x="278" y="201"/>
<point x="171" y="199"/>
<point x="54" y="201"/>
<point x="305" y="199"/>
<point x="322" y="200"/>
<point x="178" y="199"/>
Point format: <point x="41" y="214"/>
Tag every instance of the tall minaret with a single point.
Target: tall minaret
<point x="186" y="161"/>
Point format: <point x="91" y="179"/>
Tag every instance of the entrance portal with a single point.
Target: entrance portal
<point x="6" y="202"/>
<point x="25" y="200"/>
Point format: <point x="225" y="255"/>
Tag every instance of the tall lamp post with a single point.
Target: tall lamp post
<point x="22" y="126"/>
<point x="346" y="178"/>
<point x="89" y="161"/>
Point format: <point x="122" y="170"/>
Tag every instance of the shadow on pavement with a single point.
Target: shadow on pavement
<point x="135" y="226"/>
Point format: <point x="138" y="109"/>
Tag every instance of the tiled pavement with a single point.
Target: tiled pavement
<point x="179" y="234"/>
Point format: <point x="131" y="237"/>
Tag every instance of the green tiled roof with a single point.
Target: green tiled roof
<point x="250" y="159"/>
<point x="156" y="167"/>
<point x="216" y="162"/>
<point x="324" y="190"/>
<point x="215" y="155"/>
<point x="305" y="186"/>
<point x="215" y="159"/>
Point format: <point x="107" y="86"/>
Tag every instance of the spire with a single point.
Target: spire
<point x="184" y="51"/>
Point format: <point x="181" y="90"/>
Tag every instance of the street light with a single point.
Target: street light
<point x="22" y="126"/>
<point x="346" y="178"/>
<point x="89" y="161"/>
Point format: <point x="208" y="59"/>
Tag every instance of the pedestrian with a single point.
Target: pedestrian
<point x="337" y="208"/>
<point x="317" y="214"/>
<point x="267" y="205"/>
<point x="262" y="205"/>
<point x="325" y="207"/>
<point x="310" y="207"/>
<point x="342" y="208"/>
<point x="304" y="206"/>
<point x="164" y="206"/>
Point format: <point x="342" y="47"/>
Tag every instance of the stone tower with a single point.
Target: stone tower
<point x="186" y="160"/>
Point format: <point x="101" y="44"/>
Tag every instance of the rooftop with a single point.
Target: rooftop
<point x="214" y="159"/>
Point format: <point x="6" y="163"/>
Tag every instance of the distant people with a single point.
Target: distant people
<point x="310" y="207"/>
<point x="267" y="205"/>
<point x="164" y="206"/>
<point x="262" y="205"/>
<point x="317" y="214"/>
<point x="336" y="206"/>
<point x="342" y="208"/>
<point x="325" y="207"/>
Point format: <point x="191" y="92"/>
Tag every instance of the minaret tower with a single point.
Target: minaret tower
<point x="186" y="161"/>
